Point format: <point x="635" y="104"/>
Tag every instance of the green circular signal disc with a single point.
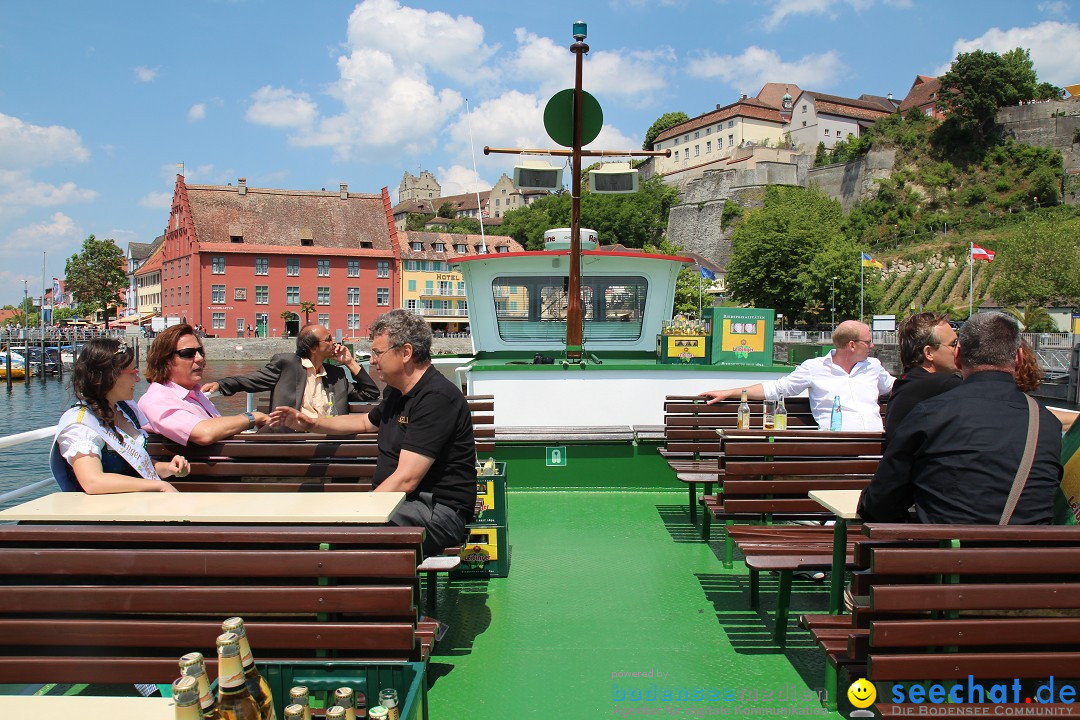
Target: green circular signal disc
<point x="559" y="118"/>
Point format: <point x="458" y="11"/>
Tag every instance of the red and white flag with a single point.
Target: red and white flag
<point x="978" y="253"/>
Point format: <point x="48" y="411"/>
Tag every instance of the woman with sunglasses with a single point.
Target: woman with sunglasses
<point x="100" y="446"/>
<point x="174" y="404"/>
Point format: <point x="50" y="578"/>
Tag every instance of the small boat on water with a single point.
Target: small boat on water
<point x="18" y="366"/>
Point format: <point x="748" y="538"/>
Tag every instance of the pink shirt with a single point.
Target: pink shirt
<point x="174" y="411"/>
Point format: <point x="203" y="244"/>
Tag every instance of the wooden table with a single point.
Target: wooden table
<point x="86" y="708"/>
<point x="362" y="507"/>
<point x="843" y="504"/>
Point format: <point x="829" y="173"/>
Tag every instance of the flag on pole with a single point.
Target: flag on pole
<point x="707" y="273"/>
<point x="869" y="261"/>
<point x="978" y="253"/>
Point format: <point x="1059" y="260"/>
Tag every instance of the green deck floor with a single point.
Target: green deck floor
<point x="617" y="582"/>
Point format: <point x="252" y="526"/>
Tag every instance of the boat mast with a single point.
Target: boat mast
<point x="574" y="329"/>
<point x="574" y="317"/>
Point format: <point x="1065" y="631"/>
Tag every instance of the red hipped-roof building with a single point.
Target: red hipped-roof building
<point x="235" y="257"/>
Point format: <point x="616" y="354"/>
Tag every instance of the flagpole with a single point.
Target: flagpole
<point x="971" y="277"/>
<point x="699" y="293"/>
<point x="862" y="264"/>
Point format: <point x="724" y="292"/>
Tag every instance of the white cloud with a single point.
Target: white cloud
<point x="1054" y="48"/>
<point x="53" y="233"/>
<point x="24" y="145"/>
<point x="620" y="72"/>
<point x="157" y="200"/>
<point x="756" y="66"/>
<point x="1057" y="8"/>
<point x="782" y="9"/>
<point x="146" y="74"/>
<point x="19" y="192"/>
<point x="281" y="107"/>
<point x="458" y="179"/>
<point x="196" y="112"/>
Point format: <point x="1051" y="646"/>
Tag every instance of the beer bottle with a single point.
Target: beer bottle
<point x="194" y="665"/>
<point x="295" y="711"/>
<point x="836" y="419"/>
<point x="260" y="689"/>
<point x="344" y="697"/>
<point x="335" y="712"/>
<point x="185" y="692"/>
<point x="299" y="695"/>
<point x="388" y="698"/>
<point x="234" y="698"/>
<point x="780" y="415"/>
<point x="744" y="413"/>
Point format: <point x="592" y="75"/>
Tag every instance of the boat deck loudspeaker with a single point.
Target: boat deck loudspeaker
<point x="537" y="175"/>
<point x="613" y="178"/>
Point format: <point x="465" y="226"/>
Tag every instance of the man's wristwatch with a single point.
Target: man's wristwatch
<point x="250" y="419"/>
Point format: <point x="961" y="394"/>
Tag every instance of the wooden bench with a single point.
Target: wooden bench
<point x="140" y="596"/>
<point x="766" y="478"/>
<point x="691" y="445"/>
<point x="309" y="462"/>
<point x="297" y="462"/>
<point x="937" y="603"/>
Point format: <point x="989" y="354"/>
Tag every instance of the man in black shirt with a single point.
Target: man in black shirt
<point x="426" y="444"/>
<point x="928" y="355"/>
<point x="955" y="455"/>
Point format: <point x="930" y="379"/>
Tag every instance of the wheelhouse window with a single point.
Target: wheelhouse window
<point x="533" y="308"/>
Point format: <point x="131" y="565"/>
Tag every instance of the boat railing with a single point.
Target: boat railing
<point x="45" y="433"/>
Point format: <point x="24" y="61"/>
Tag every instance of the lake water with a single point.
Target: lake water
<point x="41" y="403"/>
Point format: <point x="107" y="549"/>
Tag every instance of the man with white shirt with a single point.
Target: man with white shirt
<point x="848" y="371"/>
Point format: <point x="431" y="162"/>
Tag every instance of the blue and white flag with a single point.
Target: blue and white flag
<point x="707" y="273"/>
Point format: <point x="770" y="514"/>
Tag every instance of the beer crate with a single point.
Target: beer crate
<point x="323" y="677"/>
<point x="485" y="554"/>
<point x="491" y="492"/>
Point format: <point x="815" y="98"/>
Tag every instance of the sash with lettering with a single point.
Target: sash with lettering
<point x="1067" y="507"/>
<point x="131" y="449"/>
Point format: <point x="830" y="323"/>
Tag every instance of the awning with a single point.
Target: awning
<point x="136" y="319"/>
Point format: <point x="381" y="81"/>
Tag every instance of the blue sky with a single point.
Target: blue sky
<point x="100" y="101"/>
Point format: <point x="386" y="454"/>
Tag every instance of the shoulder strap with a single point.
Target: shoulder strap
<point x="1025" y="462"/>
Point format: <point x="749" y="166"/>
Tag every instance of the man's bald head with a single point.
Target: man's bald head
<point x="849" y="331"/>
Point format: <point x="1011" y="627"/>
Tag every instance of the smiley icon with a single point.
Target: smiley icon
<point x="862" y="693"/>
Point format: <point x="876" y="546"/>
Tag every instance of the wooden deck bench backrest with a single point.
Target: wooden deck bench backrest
<point x="769" y="472"/>
<point x="298" y="462"/>
<point x="946" y="601"/>
<point x="690" y="424"/>
<point x="109" y="603"/>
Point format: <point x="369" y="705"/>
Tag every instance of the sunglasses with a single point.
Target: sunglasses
<point x="190" y="353"/>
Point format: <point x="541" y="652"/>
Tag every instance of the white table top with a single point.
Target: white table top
<point x="86" y="708"/>
<point x="842" y="503"/>
<point x="351" y="507"/>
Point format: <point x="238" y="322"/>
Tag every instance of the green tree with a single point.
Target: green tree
<point x="840" y="259"/>
<point x="307" y="308"/>
<point x="446" y="210"/>
<point x="96" y="275"/>
<point x="464" y="225"/>
<point x="772" y="245"/>
<point x="416" y="222"/>
<point x="60" y="314"/>
<point x="664" y="122"/>
<point x="979" y="82"/>
<point x="1033" y="319"/>
<point x="1038" y="262"/>
<point x="821" y="157"/>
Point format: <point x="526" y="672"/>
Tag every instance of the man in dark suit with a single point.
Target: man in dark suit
<point x="302" y="381"/>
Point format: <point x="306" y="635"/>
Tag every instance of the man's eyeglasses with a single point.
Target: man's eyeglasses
<point x="868" y="342"/>
<point x="190" y="353"/>
<point x="379" y="353"/>
<point x="327" y="340"/>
